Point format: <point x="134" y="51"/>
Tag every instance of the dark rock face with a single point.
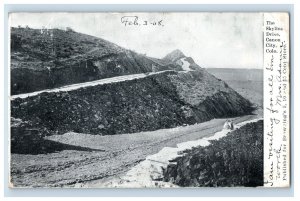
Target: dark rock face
<point x="235" y="160"/>
<point x="24" y="80"/>
<point x="28" y="140"/>
<point x="145" y="104"/>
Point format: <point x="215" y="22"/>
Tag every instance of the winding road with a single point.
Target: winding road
<point x="71" y="168"/>
<point x="87" y="84"/>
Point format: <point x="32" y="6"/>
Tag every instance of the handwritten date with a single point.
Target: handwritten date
<point x="135" y="21"/>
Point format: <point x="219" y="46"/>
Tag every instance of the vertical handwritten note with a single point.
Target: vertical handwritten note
<point x="276" y="100"/>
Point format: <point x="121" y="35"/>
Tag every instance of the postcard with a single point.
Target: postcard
<point x="149" y="100"/>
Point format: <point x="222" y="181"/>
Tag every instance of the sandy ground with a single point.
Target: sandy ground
<point x="70" y="168"/>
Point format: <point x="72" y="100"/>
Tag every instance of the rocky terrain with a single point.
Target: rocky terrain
<point x="83" y="108"/>
<point x="50" y="58"/>
<point x="177" y="57"/>
<point x="234" y="160"/>
<point x="247" y="82"/>
<point x="94" y="161"/>
<point x="163" y="100"/>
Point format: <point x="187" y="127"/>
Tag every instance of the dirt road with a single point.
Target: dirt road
<point x="71" y="168"/>
<point x="87" y="84"/>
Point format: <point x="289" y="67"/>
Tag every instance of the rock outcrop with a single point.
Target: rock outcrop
<point x="177" y="57"/>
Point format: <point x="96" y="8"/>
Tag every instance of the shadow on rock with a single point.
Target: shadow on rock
<point x="30" y="141"/>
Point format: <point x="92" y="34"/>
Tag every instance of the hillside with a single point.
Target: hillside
<point x="163" y="100"/>
<point x="247" y="82"/>
<point x="85" y="110"/>
<point x="50" y="58"/>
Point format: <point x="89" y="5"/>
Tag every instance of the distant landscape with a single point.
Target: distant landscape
<point x="247" y="82"/>
<point x="85" y="111"/>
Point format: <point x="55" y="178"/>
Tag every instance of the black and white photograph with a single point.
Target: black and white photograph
<point x="147" y="100"/>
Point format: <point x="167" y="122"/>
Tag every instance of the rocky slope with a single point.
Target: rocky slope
<point x="50" y="58"/>
<point x="247" y="82"/>
<point x="163" y="100"/>
<point x="234" y="160"/>
<point x="179" y="93"/>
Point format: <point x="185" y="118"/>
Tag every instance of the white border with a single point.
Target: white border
<point x="295" y="70"/>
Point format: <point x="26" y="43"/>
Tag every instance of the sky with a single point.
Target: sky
<point x="213" y="40"/>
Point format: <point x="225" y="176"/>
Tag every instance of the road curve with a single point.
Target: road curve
<point x="87" y="84"/>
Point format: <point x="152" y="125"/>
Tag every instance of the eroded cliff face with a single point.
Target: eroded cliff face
<point x="150" y="103"/>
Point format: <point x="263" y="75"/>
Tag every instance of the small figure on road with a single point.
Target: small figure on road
<point x="228" y="125"/>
